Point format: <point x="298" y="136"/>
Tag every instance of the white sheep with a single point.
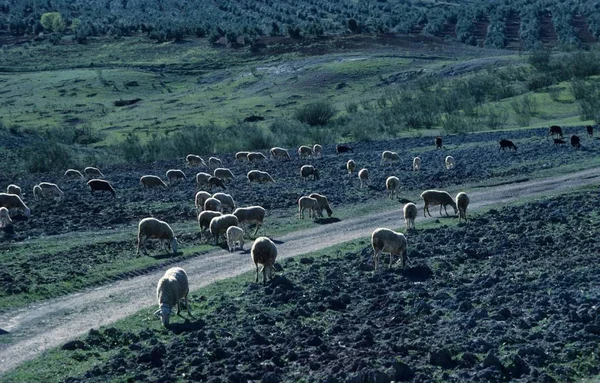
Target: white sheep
<point x="150" y="181"/>
<point x="309" y="170"/>
<point x="155" y="228"/>
<point x="241" y="156"/>
<point x="45" y="189"/>
<point x="410" y="214"/>
<point x="175" y="175"/>
<point x="256" y="157"/>
<point x="437" y="197"/>
<point x="202" y="179"/>
<point x="449" y="161"/>
<point x="194" y="160"/>
<point x="280" y="153"/>
<point x="171" y="288"/>
<point x="92" y="172"/>
<point x="363" y="176"/>
<point x="199" y="199"/>
<point x="14" y="189"/>
<point x="317" y="151"/>
<point x="390" y="157"/>
<point x="308" y="203"/>
<point x="214" y="162"/>
<point x="323" y="204"/>
<point x="204" y="219"/>
<point x="12" y="201"/>
<point x="251" y="214"/>
<point x="223" y="173"/>
<point x="462" y="202"/>
<point x="4" y="217"/>
<point x="72" y="173"/>
<point x="227" y="202"/>
<point x="264" y="252"/>
<point x="388" y="241"/>
<point x="350" y="166"/>
<point x="304" y="151"/>
<point x="213" y="204"/>
<point x="416" y="164"/>
<point x="220" y="224"/>
<point x="235" y="235"/>
<point x="392" y="184"/>
<point x="260" y="177"/>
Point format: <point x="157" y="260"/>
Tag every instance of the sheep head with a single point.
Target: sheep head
<point x="164" y="311"/>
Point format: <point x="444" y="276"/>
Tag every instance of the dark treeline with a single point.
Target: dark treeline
<point x="242" y="22"/>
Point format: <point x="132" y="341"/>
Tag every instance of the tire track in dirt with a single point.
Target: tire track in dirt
<point x="46" y="325"/>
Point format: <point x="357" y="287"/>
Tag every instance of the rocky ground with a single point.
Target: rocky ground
<point x="510" y="296"/>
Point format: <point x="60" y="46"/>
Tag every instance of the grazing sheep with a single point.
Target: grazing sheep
<point x="280" y="153"/>
<point x="96" y="184"/>
<point x="363" y="176"/>
<point x="154" y="228"/>
<point x="214" y="162"/>
<point x="235" y="235"/>
<point x="215" y="181"/>
<point x="462" y="201"/>
<point x="149" y="182"/>
<point x="590" y="130"/>
<point x="317" y="151"/>
<point x="308" y="203"/>
<point x="171" y="288"/>
<point x="193" y="160"/>
<point x="47" y="189"/>
<point x="4" y="217"/>
<point x="220" y="224"/>
<point x="323" y="204"/>
<point x="260" y="177"/>
<point x="204" y="219"/>
<point x="341" y="148"/>
<point x="72" y="173"/>
<point x="309" y="170"/>
<point x="392" y="184"/>
<point x="199" y="199"/>
<point x="416" y="164"/>
<point x="304" y="151"/>
<point x="350" y="166"/>
<point x="13" y="201"/>
<point x="438" y="142"/>
<point x="251" y="214"/>
<point x="575" y="141"/>
<point x="241" y="156"/>
<point x="213" y="204"/>
<point x="256" y="157"/>
<point x="37" y="192"/>
<point x="92" y="172"/>
<point x="559" y="141"/>
<point x="507" y="144"/>
<point x="388" y="241"/>
<point x="437" y="197"/>
<point x="14" y="189"/>
<point x="223" y="173"/>
<point x="449" y="161"/>
<point x="555" y="130"/>
<point x="410" y="214"/>
<point x="390" y="157"/>
<point x="202" y="179"/>
<point x="226" y="201"/>
<point x="175" y="175"/>
<point x="264" y="252"/>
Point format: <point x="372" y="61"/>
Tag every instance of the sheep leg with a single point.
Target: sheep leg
<point x="391" y="258"/>
<point x="264" y="272"/>
<point x="376" y="258"/>
<point x="257" y="227"/>
<point x="256" y="272"/>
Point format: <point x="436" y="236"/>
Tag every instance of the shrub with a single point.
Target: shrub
<point x="351" y="107"/>
<point x="47" y="157"/>
<point x="289" y="133"/>
<point x="316" y="114"/>
<point x="458" y="123"/>
<point x="554" y="93"/>
<point x="495" y="117"/>
<point x="52" y="22"/>
<point x="524" y="109"/>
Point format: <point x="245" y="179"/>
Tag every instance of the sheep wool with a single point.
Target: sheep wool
<point x="171" y="288"/>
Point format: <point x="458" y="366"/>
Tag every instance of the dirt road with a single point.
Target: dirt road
<point x="46" y="325"/>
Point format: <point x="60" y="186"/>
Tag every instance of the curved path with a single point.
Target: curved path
<point x="46" y="325"/>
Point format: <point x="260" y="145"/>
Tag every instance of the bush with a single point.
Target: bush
<point x="316" y="113"/>
<point x="458" y="123"/>
<point x="47" y="157"/>
<point x="52" y="22"/>
<point x="524" y="109"/>
<point x="554" y="93"/>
